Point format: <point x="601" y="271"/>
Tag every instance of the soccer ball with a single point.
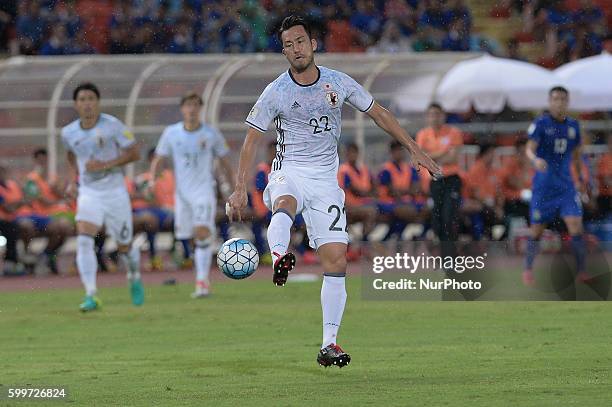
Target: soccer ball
<point x="237" y="258"/>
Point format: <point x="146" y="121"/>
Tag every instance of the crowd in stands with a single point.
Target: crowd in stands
<point x="495" y="192"/>
<point x="568" y="29"/>
<point x="59" y="27"/>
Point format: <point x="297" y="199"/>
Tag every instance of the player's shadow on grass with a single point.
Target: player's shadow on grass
<point x="562" y="275"/>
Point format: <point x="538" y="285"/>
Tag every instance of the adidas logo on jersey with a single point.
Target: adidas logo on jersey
<point x="295" y="105"/>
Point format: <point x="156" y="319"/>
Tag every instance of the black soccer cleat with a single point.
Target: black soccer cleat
<point x="333" y="355"/>
<point x="282" y="266"/>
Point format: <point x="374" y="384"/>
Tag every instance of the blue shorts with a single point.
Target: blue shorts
<point x="40" y="221"/>
<point x="545" y="209"/>
<point x="162" y="215"/>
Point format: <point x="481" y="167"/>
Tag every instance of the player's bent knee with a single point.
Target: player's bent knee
<point x="201" y="233"/>
<point x="286" y="202"/>
<point x="335" y="265"/>
<point x="86" y="228"/>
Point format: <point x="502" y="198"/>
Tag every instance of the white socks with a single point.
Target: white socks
<point x="333" y="299"/>
<point x="87" y="263"/>
<point x="279" y="233"/>
<point x="203" y="257"/>
<point x="131" y="262"/>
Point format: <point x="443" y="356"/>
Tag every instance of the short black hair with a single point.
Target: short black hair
<point x="395" y="145"/>
<point x="293" y="21"/>
<point x="85" y="86"/>
<point x="435" y="105"/>
<point x="558" y="89"/>
<point x="39" y="152"/>
<point x="192" y="95"/>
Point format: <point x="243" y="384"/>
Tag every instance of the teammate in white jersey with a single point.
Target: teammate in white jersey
<point x="193" y="147"/>
<point x="98" y="145"/>
<point x="305" y="103"/>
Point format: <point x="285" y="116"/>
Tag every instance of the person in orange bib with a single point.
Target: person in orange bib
<point x="398" y="186"/>
<point x="261" y="214"/>
<point x="604" y="179"/>
<point x="11" y="198"/>
<point x="443" y="144"/>
<point x="356" y="181"/>
<point x="515" y="178"/>
<point x="149" y="207"/>
<point x="482" y="191"/>
<point x="48" y="213"/>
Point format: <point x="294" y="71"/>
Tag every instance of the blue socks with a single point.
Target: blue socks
<point x="579" y="248"/>
<point x="533" y="248"/>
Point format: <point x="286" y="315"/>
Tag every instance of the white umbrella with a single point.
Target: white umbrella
<point x="489" y="83"/>
<point x="589" y="81"/>
<point x="415" y="94"/>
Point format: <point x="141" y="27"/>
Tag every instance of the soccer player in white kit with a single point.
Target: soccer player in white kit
<point x="98" y="145"/>
<point x="305" y="104"/>
<point x="193" y="147"/>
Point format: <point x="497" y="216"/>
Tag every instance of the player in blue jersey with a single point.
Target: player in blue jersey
<point x="554" y="141"/>
<point x="305" y="104"/>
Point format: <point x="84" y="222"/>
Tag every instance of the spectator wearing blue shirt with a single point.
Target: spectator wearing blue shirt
<point x="457" y="38"/>
<point x="434" y="16"/>
<point x="457" y="10"/>
<point x="30" y="27"/>
<point x="588" y="13"/>
<point x="182" y="41"/>
<point x="57" y="44"/>
<point x="366" y="19"/>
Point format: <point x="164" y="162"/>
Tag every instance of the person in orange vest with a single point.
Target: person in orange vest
<point x="356" y="181"/>
<point x="261" y="214"/>
<point x="149" y="215"/>
<point x="11" y="198"/>
<point x="398" y="185"/>
<point x="515" y="178"/>
<point x="48" y="213"/>
<point x="604" y="179"/>
<point x="482" y="191"/>
<point x="443" y="143"/>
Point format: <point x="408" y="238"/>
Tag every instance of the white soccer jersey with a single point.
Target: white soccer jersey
<point x="103" y="142"/>
<point x="193" y="154"/>
<point x="308" y="119"/>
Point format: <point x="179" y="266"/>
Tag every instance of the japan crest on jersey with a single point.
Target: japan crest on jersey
<point x="571" y="133"/>
<point x="331" y="96"/>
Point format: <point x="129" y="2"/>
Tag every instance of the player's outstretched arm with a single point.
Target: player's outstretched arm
<point x="387" y="121"/>
<point x="238" y="199"/>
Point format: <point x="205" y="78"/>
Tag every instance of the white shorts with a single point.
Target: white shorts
<point x="109" y="208"/>
<point x="321" y="203"/>
<point x="194" y="210"/>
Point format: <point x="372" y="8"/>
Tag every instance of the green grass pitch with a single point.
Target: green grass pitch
<point x="255" y="344"/>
